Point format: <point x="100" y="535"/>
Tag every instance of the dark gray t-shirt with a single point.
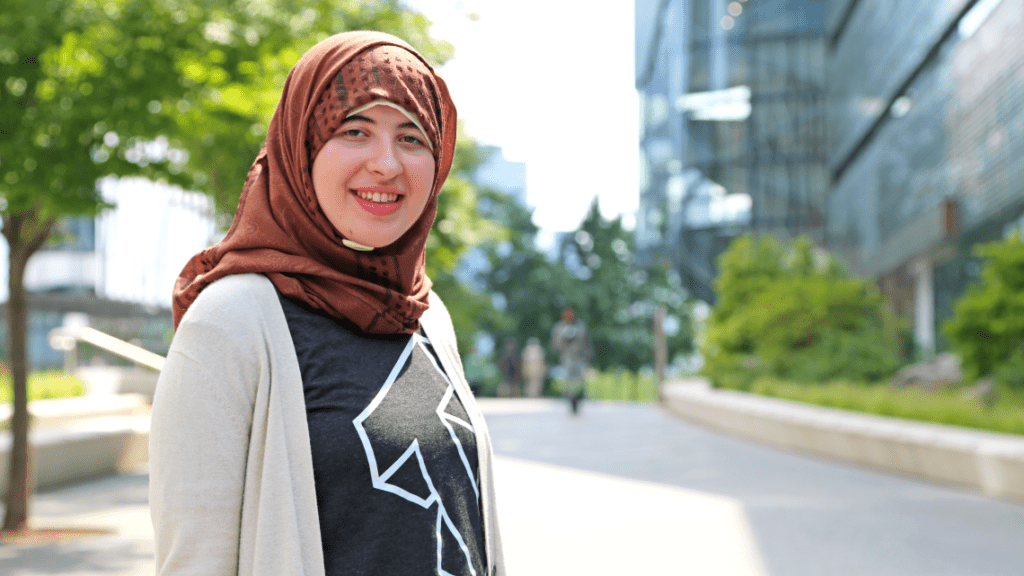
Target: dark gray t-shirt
<point x="394" y="454"/>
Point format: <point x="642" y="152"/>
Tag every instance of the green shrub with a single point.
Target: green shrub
<point x="1010" y="374"/>
<point x="937" y="406"/>
<point x="615" y="385"/>
<point x="987" y="327"/>
<point x="793" y="313"/>
<point x="43" y="385"/>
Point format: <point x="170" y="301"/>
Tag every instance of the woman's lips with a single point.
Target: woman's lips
<point x="378" y="208"/>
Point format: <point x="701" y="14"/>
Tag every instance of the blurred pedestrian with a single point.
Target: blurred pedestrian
<point x="312" y="416"/>
<point x="570" y="339"/>
<point x="511" y="371"/>
<point x="535" y="368"/>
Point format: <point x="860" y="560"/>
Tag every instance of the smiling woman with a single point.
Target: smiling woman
<point x="312" y="416"/>
<point x="373" y="179"/>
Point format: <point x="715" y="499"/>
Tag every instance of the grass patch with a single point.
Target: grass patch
<point x="1005" y="414"/>
<point x="617" y="385"/>
<point x="43" y="385"/>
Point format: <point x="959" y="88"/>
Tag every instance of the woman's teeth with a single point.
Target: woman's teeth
<point x="379" y="197"/>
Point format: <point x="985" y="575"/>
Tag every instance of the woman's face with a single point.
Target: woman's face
<point x="373" y="179"/>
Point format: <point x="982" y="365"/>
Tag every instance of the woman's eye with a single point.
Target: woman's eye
<point x="409" y="139"/>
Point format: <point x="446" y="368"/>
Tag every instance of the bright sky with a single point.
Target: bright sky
<point x="551" y="82"/>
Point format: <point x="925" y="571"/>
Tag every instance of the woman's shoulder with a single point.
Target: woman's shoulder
<point x="237" y="300"/>
<point x="235" y="318"/>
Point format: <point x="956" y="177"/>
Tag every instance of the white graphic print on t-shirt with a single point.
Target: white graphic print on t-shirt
<point x="384" y="417"/>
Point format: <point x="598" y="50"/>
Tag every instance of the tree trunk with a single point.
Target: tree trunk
<point x="18" y="483"/>
<point x="25" y="233"/>
<point x="660" y="350"/>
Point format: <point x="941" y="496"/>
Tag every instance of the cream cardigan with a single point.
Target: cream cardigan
<point x="231" y="475"/>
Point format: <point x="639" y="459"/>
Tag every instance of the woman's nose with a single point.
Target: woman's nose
<point x="384" y="160"/>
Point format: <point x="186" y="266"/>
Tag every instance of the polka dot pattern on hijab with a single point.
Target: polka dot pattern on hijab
<point x="381" y="73"/>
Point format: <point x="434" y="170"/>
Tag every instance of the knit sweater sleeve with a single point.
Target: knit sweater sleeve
<point x="199" y="439"/>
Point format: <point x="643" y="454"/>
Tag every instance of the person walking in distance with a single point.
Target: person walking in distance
<point x="535" y="368"/>
<point x="569" y="338"/>
<point x="511" y="375"/>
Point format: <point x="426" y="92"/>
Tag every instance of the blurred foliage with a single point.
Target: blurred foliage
<point x="617" y="385"/>
<point x="457" y="228"/>
<point x="938" y="406"/>
<point x="594" y="271"/>
<point x="43" y="385"/>
<point x="177" y="90"/>
<point x="791" y="311"/>
<point x="987" y="327"/>
<point x="183" y="91"/>
<point x="481" y="373"/>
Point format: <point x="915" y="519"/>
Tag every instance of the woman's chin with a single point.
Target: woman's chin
<point x="375" y="240"/>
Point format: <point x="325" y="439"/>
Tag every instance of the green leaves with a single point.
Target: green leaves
<point x="987" y="328"/>
<point x="205" y="75"/>
<point x="791" y="312"/>
<point x="594" y="271"/>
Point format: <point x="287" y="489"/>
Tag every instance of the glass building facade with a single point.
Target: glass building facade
<point x="733" y="119"/>
<point x="926" y="144"/>
<point x="889" y="131"/>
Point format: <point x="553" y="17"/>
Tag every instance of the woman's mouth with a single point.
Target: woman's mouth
<point x="377" y="197"/>
<point x="376" y="202"/>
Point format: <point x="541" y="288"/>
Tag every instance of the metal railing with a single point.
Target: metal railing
<point x="66" y="339"/>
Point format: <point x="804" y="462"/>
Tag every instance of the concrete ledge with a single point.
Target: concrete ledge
<point x="77" y="438"/>
<point x="60" y="412"/>
<point x="107" y="380"/>
<point x="988" y="462"/>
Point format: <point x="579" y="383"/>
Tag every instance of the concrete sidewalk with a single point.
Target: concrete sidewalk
<point x="557" y="520"/>
<point x="550" y="524"/>
<point x="118" y="506"/>
<point x="551" y="521"/>
<point x="559" y="517"/>
<point x="629" y="489"/>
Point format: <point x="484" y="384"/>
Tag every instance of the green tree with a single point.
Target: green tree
<point x="791" y="311"/>
<point x="987" y="328"/>
<point x="458" y="228"/>
<point x="523" y="287"/>
<point x="595" y="272"/>
<point x="617" y="298"/>
<point x="178" y="90"/>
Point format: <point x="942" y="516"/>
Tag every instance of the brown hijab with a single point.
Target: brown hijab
<point x="279" y="229"/>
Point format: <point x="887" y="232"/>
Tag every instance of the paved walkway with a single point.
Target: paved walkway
<point x="560" y="518"/>
<point x="637" y="484"/>
<point x="626" y="489"/>
<point x="117" y="505"/>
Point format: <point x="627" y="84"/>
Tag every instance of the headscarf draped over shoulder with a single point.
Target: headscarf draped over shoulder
<point x="279" y="229"/>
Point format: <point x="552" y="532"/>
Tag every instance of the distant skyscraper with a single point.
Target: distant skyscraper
<point x="732" y="99"/>
<point x="502" y="175"/>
